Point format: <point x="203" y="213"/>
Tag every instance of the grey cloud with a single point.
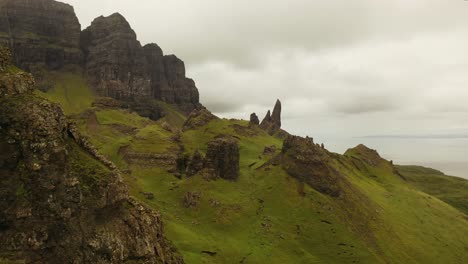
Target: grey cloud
<point x="341" y="68"/>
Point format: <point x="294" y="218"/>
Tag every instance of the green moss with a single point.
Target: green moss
<point x="86" y="168"/>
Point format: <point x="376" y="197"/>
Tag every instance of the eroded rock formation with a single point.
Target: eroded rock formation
<point x="119" y="67"/>
<point x="254" y="119"/>
<point x="59" y="204"/>
<point x="222" y="158"/>
<point x="46" y="35"/>
<point x="198" y="118"/>
<point x="43" y="34"/>
<point x="272" y="121"/>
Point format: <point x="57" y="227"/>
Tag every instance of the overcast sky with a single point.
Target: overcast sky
<point x="342" y="69"/>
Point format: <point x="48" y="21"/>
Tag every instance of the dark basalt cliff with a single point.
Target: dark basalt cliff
<point x="119" y="67"/>
<point x="46" y="35"/>
<point x="60" y="200"/>
<point x="42" y="34"/>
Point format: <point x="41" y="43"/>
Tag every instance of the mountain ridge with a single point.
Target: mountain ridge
<point x="229" y="191"/>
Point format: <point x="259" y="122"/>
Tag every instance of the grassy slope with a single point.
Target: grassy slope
<point x="451" y="190"/>
<point x="287" y="227"/>
<point x="263" y="217"/>
<point x="70" y="90"/>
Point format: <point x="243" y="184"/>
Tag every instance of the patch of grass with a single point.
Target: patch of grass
<point x="452" y="190"/>
<point x="267" y="216"/>
<point x="174" y="117"/>
<point x="71" y="91"/>
<point x="121" y="117"/>
<point x="153" y="139"/>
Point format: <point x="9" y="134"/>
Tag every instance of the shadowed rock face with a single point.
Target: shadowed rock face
<point x="119" y="67"/>
<point x="254" y="119"/>
<point x="60" y="200"/>
<point x="272" y="122"/>
<point x="306" y="161"/>
<point x="222" y="158"/>
<point x="42" y="34"/>
<point x="46" y="35"/>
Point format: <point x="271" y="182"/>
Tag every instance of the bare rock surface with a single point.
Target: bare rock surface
<point x="60" y="200"/>
<point x="222" y="158"/>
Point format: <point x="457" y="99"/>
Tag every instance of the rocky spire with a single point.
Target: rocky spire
<point x="272" y="122"/>
<point x="276" y="116"/>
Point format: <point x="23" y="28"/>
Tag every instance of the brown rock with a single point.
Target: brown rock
<point x="58" y="203"/>
<point x="254" y="119"/>
<point x="272" y="122"/>
<point x="196" y="164"/>
<point x="269" y="150"/>
<point x="222" y="158"/>
<point x="198" y="118"/>
<point x="119" y="67"/>
<point x="191" y="199"/>
<point x="43" y="34"/>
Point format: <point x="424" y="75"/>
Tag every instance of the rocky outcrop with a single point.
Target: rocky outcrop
<point x="304" y="160"/>
<point x="119" y="67"/>
<point x="222" y="158"/>
<point x="195" y="164"/>
<point x="198" y="118"/>
<point x="272" y="122"/>
<point x="46" y="35"/>
<point x="58" y="203"/>
<point x="254" y="119"/>
<point x="43" y="34"/>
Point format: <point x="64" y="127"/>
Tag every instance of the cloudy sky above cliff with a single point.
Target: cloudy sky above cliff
<point x="343" y="69"/>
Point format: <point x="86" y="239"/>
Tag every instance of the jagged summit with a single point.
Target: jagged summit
<point x="46" y="35"/>
<point x="272" y="121"/>
<point x="62" y="201"/>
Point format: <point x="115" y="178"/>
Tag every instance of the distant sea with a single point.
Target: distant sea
<point x="449" y="155"/>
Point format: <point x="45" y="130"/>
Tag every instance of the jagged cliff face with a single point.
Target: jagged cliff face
<point x="42" y="34"/>
<point x="60" y="201"/>
<point x="46" y="35"/>
<point x="119" y="67"/>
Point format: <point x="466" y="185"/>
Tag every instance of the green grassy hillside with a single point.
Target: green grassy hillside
<point x="452" y="190"/>
<point x="267" y="216"/>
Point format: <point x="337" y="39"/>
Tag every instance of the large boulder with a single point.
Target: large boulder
<point x="222" y="158"/>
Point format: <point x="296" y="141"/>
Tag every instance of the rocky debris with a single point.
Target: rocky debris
<point x="119" y="67"/>
<point x="269" y="150"/>
<point x="191" y="199"/>
<point x="222" y="158"/>
<point x="309" y="163"/>
<point x="195" y="164"/>
<point x="43" y="34"/>
<point x="272" y="121"/>
<point x="198" y="118"/>
<point x="254" y="119"/>
<point x="58" y="203"/>
<point x="15" y="83"/>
